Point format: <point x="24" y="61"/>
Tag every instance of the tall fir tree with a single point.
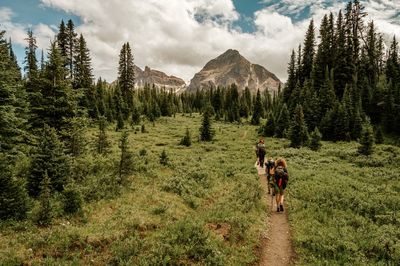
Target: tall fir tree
<point x="308" y="54"/>
<point x="298" y="129"/>
<point x="126" y="76"/>
<point x="48" y="158"/>
<point x="31" y="67"/>
<point x="71" y="42"/>
<point x="258" y="110"/>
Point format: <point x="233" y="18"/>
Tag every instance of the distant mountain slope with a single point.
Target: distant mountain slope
<point x="232" y="67"/>
<point x="158" y="78"/>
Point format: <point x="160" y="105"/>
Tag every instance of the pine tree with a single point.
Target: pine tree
<point x="315" y="140"/>
<point x="126" y="75"/>
<point x="74" y="136"/>
<point x="186" y="140"/>
<point x="298" y="129"/>
<point x="268" y="130"/>
<point x="367" y="140"/>
<point x="292" y="79"/>
<point x="83" y="76"/>
<point x="44" y="216"/>
<point x="322" y="58"/>
<point x="102" y="142"/>
<point x="206" y="132"/>
<point x="48" y="158"/>
<point x="71" y="44"/>
<point x="62" y="40"/>
<point x="58" y="102"/>
<point x="257" y="111"/>
<point x="164" y="160"/>
<point x="283" y="122"/>
<point x="308" y="54"/>
<point x="13" y="198"/>
<point x="126" y="160"/>
<point x="13" y="106"/>
<point x="136" y="116"/>
<point x="31" y="67"/>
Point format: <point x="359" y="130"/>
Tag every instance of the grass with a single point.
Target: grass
<point x="203" y="208"/>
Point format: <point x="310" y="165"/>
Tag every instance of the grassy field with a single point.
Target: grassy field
<point x="203" y="208"/>
<point x="344" y="208"/>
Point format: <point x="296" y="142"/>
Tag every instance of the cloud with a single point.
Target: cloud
<point x="180" y="36"/>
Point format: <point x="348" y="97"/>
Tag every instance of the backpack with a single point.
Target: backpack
<point x="261" y="149"/>
<point x="281" y="176"/>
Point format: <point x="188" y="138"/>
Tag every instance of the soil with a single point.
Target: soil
<point x="277" y="248"/>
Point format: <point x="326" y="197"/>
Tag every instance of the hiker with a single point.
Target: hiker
<point x="281" y="178"/>
<point x="260" y="152"/>
<point x="270" y="169"/>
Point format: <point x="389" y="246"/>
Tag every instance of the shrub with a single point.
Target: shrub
<point x="164" y="160"/>
<point x="367" y="140"/>
<point x="315" y="140"/>
<point x="44" y="214"/>
<point x="72" y="201"/>
<point x="186" y="140"/>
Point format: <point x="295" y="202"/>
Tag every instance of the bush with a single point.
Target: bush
<point x="367" y="140"/>
<point x="315" y="140"/>
<point x="72" y="201"/>
<point x="186" y="140"/>
<point x="44" y="213"/>
<point x="164" y="160"/>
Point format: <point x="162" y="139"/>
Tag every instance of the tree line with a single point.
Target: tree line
<point x="345" y="82"/>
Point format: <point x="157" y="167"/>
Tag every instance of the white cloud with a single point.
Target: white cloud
<point x="180" y="36"/>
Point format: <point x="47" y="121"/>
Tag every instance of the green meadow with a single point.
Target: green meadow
<point x="205" y="207"/>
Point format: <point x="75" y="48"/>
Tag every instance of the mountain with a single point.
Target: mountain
<point x="158" y="78"/>
<point x="232" y="67"/>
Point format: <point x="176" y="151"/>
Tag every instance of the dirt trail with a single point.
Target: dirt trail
<point x="277" y="247"/>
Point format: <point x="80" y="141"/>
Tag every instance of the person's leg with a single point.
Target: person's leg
<point x="281" y="202"/>
<point x="278" y="200"/>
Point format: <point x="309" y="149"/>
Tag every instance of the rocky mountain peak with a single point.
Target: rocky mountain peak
<point x="231" y="67"/>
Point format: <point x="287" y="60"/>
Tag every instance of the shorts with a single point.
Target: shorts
<point x="278" y="189"/>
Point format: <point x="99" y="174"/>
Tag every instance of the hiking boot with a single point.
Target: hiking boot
<point x="281" y="207"/>
<point x="278" y="209"/>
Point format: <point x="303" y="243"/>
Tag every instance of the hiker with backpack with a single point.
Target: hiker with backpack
<point x="260" y="152"/>
<point x="270" y="169"/>
<point x="281" y="178"/>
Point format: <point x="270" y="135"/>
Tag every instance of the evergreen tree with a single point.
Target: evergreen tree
<point x="48" y="158"/>
<point x="186" y="140"/>
<point x="367" y="140"/>
<point x="298" y="129"/>
<point x="31" y="67"/>
<point x="126" y="75"/>
<point x="206" y="132"/>
<point x="126" y="160"/>
<point x="315" y="140"/>
<point x="83" y="76"/>
<point x="308" y="54"/>
<point x="13" y="198"/>
<point x="13" y="107"/>
<point x="323" y="56"/>
<point x="102" y="142"/>
<point x="62" y="40"/>
<point x="71" y="44"/>
<point x="283" y="122"/>
<point x="57" y="102"/>
<point x="136" y="116"/>
<point x="257" y="111"/>
<point x="270" y="127"/>
<point x="292" y="79"/>
<point x="164" y="160"/>
<point x="44" y="216"/>
<point x="74" y="136"/>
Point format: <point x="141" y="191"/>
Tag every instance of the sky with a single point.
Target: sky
<point x="179" y="37"/>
